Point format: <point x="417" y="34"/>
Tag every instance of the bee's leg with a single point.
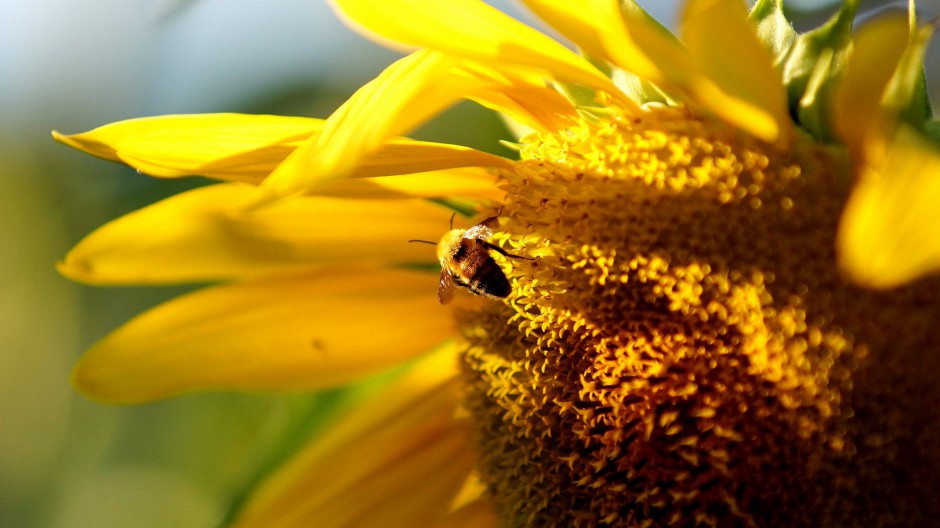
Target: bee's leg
<point x="492" y="221"/>
<point x="503" y="252"/>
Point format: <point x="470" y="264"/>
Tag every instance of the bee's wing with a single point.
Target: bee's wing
<point x="478" y="231"/>
<point x="446" y="289"/>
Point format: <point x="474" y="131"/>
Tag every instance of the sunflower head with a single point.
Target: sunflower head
<point x="724" y="307"/>
<point x="686" y="351"/>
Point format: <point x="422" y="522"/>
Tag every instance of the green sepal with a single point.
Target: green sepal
<point x="907" y="92"/>
<point x="464" y="206"/>
<point x="580" y="96"/>
<point x="810" y="62"/>
<point x="585" y="99"/>
<point x="812" y="111"/>
<point x="932" y="130"/>
<point x="773" y="28"/>
<point x="640" y="90"/>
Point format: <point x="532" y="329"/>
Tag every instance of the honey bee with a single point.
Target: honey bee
<point x="465" y="261"/>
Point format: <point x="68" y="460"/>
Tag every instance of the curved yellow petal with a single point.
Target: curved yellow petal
<point x="396" y="459"/>
<point x="407" y="156"/>
<point x="246" y="148"/>
<point x="291" y="332"/>
<point x="621" y="33"/>
<point x="857" y="112"/>
<point x="407" y="93"/>
<point x="888" y="234"/>
<point x="580" y="21"/>
<point x="397" y="156"/>
<point x="203" y="235"/>
<point x="184" y="145"/>
<point x="740" y="83"/>
<point x="472" y="29"/>
<point x="524" y="98"/>
<point x="469" y="182"/>
<point x="477" y="514"/>
<point x="528" y="105"/>
<point x="472" y="490"/>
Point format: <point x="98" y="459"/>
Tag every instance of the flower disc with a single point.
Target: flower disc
<point x="684" y="351"/>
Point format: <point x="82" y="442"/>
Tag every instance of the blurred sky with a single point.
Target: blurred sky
<point x="72" y="65"/>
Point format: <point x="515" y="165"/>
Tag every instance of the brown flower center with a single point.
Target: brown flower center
<point x="683" y="351"/>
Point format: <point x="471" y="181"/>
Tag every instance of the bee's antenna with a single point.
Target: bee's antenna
<point x="452" y="219"/>
<point x="424" y="242"/>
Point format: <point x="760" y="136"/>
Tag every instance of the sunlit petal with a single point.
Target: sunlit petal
<point x="579" y="21"/>
<point x="397" y="156"/>
<point x="239" y="147"/>
<point x="405" y="156"/>
<point x="744" y="88"/>
<point x="292" y="332"/>
<point x="888" y="234"/>
<point x="523" y="98"/>
<point x="183" y="145"/>
<point x="407" y="93"/>
<point x="622" y="33"/>
<point x="203" y="235"/>
<point x="472" y="29"/>
<point x="405" y="437"/>
<point x="469" y="182"/>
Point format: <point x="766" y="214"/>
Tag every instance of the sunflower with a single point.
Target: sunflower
<point x="724" y="314"/>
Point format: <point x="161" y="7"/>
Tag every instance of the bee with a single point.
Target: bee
<point x="465" y="261"/>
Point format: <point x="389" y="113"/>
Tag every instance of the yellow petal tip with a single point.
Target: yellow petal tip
<point x="77" y="270"/>
<point x="66" y="139"/>
<point x="84" y="381"/>
<point x="85" y="144"/>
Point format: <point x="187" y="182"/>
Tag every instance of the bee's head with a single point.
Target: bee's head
<point x="448" y="243"/>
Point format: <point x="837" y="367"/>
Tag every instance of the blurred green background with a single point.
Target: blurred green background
<point x="73" y="65"/>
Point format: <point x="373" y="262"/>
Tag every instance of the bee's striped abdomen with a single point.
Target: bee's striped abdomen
<point x="477" y="269"/>
<point x="489" y="279"/>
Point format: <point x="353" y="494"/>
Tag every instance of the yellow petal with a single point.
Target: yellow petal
<point x="238" y="147"/>
<point x="470" y="182"/>
<point x="524" y="98"/>
<point x="183" y="145"/>
<point x="472" y="29"/>
<point x="397" y="156"/>
<point x="741" y="84"/>
<point x="857" y="111"/>
<point x="407" y="93"/>
<point x="477" y="514"/>
<point x="888" y="234"/>
<point x="621" y="33"/>
<point x="397" y="459"/>
<point x="406" y="156"/>
<point x="203" y="235"/>
<point x="472" y="490"/>
<point x="580" y="21"/>
<point x="290" y="332"/>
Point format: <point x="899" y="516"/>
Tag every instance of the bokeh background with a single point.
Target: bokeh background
<point x="72" y="65"/>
